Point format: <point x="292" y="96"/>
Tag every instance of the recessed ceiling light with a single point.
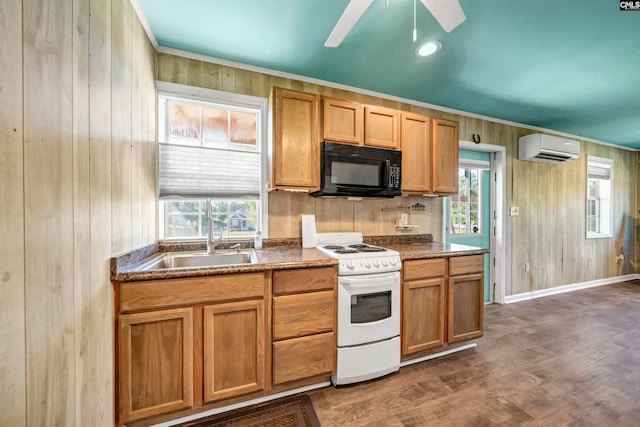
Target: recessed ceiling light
<point x="429" y="48"/>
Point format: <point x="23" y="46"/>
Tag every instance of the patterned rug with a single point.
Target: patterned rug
<point x="295" y="411"/>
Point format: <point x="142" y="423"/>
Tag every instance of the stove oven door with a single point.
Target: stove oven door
<point x="368" y="308"/>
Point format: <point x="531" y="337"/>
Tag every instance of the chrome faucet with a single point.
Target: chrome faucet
<point x="212" y="239"/>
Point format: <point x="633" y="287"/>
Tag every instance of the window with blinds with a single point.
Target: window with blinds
<point x="209" y="149"/>
<point x="598" y="212"/>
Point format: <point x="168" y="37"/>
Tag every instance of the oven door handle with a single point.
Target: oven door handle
<point x="370" y="282"/>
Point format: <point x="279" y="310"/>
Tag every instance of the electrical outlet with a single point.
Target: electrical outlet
<point x="515" y="211"/>
<point x="527" y="267"/>
<point x="620" y="258"/>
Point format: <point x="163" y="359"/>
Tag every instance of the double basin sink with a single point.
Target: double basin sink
<point x="200" y="259"/>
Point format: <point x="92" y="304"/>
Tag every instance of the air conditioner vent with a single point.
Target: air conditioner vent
<point x="542" y="148"/>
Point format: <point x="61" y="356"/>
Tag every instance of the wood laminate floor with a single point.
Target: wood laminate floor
<point x="566" y="360"/>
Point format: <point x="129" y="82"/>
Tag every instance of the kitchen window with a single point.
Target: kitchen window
<point x="464" y="207"/>
<point x="599" y="197"/>
<point x="211" y="145"/>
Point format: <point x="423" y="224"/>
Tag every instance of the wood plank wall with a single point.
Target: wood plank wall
<point x="77" y="138"/>
<point x="548" y="234"/>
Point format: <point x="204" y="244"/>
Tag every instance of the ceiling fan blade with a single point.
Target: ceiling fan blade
<point x="349" y="17"/>
<point x="447" y="12"/>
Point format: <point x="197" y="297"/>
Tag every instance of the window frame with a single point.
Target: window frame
<point x="216" y="97"/>
<point x="603" y="205"/>
<point x="479" y="166"/>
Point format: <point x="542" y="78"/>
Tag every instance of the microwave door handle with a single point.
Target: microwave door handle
<point x="385" y="173"/>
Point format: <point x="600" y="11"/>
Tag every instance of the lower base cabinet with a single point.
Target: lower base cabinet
<point x="156" y="363"/>
<point x="303" y="357"/>
<point x="442" y="302"/>
<point x="234" y="349"/>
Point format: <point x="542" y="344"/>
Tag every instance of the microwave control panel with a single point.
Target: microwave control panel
<point x="394" y="175"/>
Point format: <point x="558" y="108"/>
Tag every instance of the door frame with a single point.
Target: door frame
<point x="498" y="255"/>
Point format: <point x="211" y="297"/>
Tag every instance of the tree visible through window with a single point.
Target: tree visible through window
<point x="464" y="208"/>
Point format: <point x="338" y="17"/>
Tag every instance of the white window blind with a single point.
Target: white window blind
<point x="598" y="170"/>
<point x="194" y="172"/>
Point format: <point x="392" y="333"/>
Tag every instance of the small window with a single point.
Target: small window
<point x="598" y="206"/>
<point x="210" y="148"/>
<point x="465" y="207"/>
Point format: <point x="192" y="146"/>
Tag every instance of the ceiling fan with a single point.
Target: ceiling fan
<point x="448" y="13"/>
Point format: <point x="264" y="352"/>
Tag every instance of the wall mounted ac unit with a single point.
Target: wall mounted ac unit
<point x="541" y="148"/>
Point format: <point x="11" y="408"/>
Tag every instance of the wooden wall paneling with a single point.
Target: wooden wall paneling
<point x="211" y="75"/>
<point x="369" y="217"/>
<point x="121" y="180"/>
<point x="137" y="141"/>
<point x="571" y="203"/>
<point x="519" y="227"/>
<point x="101" y="398"/>
<point x="149" y="134"/>
<point x="301" y="204"/>
<point x="279" y="214"/>
<point x="341" y="214"/>
<point x="323" y="215"/>
<point x="85" y="384"/>
<point x="194" y="72"/>
<point x="12" y="256"/>
<point x="48" y="228"/>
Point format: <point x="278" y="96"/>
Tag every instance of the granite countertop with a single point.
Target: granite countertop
<point x="278" y="254"/>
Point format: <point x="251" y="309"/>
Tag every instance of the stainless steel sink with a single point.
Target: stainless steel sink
<point x="186" y="260"/>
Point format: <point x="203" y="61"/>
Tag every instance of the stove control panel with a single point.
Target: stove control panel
<point x="349" y="267"/>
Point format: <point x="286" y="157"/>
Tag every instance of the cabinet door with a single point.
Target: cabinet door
<point x="466" y="305"/>
<point x="155" y="363"/>
<point x="342" y="121"/>
<point x="416" y="146"/>
<point x="296" y="155"/>
<point x="382" y="127"/>
<point x="444" y="156"/>
<point x="423" y="316"/>
<point x="234" y="349"/>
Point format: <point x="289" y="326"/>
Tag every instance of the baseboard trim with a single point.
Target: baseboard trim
<point x="568" y="288"/>
<point x="242" y="404"/>
<point x="439" y="354"/>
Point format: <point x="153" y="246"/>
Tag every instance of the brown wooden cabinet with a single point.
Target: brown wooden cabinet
<point x="465" y="298"/>
<point x="382" y="127"/>
<point x="304" y="323"/>
<point x="234" y="349"/>
<point x="353" y="123"/>
<point x="187" y="342"/>
<point x="423" y="305"/>
<point x="155" y="359"/>
<point x="342" y="121"/>
<point x="295" y="152"/>
<point x="444" y="156"/>
<point x="442" y="302"/>
<point x="416" y="153"/>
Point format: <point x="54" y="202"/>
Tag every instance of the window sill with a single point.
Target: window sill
<point x="599" y="236"/>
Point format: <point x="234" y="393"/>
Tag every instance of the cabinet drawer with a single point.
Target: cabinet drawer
<point x="303" y="314"/>
<point x="304" y="280"/>
<point x="466" y="265"/>
<point x="424" y="268"/>
<point x="304" y="357"/>
<point x="172" y="292"/>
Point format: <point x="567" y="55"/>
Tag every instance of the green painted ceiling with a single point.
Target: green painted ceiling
<point x="567" y="65"/>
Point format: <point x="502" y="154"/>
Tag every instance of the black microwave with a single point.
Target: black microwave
<point x="357" y="171"/>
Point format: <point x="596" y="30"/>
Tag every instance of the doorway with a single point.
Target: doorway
<point x="489" y="162"/>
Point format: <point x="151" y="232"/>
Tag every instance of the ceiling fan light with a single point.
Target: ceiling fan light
<point x="429" y="48"/>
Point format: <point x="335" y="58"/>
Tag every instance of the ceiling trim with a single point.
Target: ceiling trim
<point x="276" y="73"/>
<point x="145" y="23"/>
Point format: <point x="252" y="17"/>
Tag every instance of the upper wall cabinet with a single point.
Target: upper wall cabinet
<point x="416" y="153"/>
<point x="353" y="123"/>
<point x="444" y="156"/>
<point x="295" y="155"/>
<point x="382" y="127"/>
<point x="342" y="121"/>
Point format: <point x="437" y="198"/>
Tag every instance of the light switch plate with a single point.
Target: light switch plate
<point x="515" y="211"/>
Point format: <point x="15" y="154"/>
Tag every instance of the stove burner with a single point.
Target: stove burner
<point x="333" y="247"/>
<point x="371" y="249"/>
<point x="346" y="251"/>
<point x="359" y="245"/>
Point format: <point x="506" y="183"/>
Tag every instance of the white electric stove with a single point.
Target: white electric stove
<point x="368" y="307"/>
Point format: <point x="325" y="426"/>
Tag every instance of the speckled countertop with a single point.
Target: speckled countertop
<point x="277" y="254"/>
